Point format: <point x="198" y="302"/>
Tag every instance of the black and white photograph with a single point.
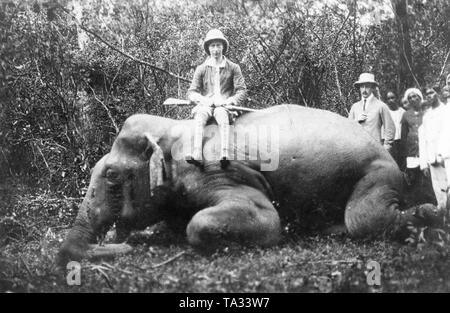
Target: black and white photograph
<point x="224" y="151"/>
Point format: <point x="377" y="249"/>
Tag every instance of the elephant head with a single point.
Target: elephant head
<point x="120" y="191"/>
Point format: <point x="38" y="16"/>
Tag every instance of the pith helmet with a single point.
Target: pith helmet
<point x="215" y="34"/>
<point x="366" y="78"/>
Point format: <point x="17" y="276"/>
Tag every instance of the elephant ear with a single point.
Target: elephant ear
<point x="157" y="165"/>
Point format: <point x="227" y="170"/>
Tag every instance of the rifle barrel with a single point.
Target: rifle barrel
<point x="174" y="101"/>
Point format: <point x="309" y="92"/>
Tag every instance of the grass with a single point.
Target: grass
<point x="33" y="224"/>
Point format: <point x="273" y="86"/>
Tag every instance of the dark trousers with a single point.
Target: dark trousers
<point x="397" y="155"/>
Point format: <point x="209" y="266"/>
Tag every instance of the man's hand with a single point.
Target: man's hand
<point x="426" y="172"/>
<point x="224" y="103"/>
<point x="439" y="159"/>
<point x="207" y="102"/>
<point x="362" y="118"/>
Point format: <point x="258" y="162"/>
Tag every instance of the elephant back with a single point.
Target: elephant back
<point x="320" y="154"/>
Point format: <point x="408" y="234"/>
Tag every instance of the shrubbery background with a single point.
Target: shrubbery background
<point x="64" y="93"/>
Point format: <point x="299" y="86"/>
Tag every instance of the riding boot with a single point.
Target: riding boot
<point x="224" y="140"/>
<point x="197" y="155"/>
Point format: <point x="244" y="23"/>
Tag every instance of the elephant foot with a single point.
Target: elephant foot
<point x="421" y="216"/>
<point x="430" y="215"/>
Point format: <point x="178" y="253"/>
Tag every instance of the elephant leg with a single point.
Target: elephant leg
<point x="371" y="211"/>
<point x="373" y="208"/>
<point x="249" y="219"/>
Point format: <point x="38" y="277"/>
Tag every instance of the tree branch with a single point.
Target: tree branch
<point x="336" y="77"/>
<point x="443" y="65"/>
<point x="43" y="157"/>
<point x="107" y="110"/>
<point x="121" y="51"/>
<point x="169" y="260"/>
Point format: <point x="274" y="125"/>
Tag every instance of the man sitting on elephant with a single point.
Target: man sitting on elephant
<point x="217" y="82"/>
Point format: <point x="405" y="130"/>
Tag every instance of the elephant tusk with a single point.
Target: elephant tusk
<point x="108" y="250"/>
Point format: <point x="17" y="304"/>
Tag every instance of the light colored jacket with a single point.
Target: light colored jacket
<point x="232" y="84"/>
<point x="397" y="119"/>
<point x="378" y="117"/>
<point x="444" y="141"/>
<point x="432" y="145"/>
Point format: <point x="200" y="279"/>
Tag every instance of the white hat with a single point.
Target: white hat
<point x="366" y="78"/>
<point x="215" y="34"/>
<point x="414" y="91"/>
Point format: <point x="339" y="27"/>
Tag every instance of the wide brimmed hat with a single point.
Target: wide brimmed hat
<point x="215" y="34"/>
<point x="366" y="78"/>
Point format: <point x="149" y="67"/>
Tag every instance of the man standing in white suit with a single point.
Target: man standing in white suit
<point x="371" y="113"/>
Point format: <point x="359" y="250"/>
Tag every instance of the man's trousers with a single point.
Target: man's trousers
<point x="439" y="182"/>
<point x="201" y="116"/>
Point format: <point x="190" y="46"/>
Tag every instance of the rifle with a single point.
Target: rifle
<point x="175" y="101"/>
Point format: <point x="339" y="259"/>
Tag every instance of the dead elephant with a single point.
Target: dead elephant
<point x="319" y="155"/>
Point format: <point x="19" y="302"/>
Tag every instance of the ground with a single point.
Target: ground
<point x="34" y="222"/>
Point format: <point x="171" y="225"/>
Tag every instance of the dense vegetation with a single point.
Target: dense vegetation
<point x="71" y="72"/>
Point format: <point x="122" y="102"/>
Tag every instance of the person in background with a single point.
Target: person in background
<point x="410" y="122"/>
<point x="372" y="114"/>
<point x="430" y="149"/>
<point x="444" y="149"/>
<point x="396" y="113"/>
<point x="405" y="104"/>
<point x="444" y="143"/>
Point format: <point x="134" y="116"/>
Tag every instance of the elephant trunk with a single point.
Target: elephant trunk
<point x="76" y="245"/>
<point x="90" y="225"/>
<point x="97" y="213"/>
